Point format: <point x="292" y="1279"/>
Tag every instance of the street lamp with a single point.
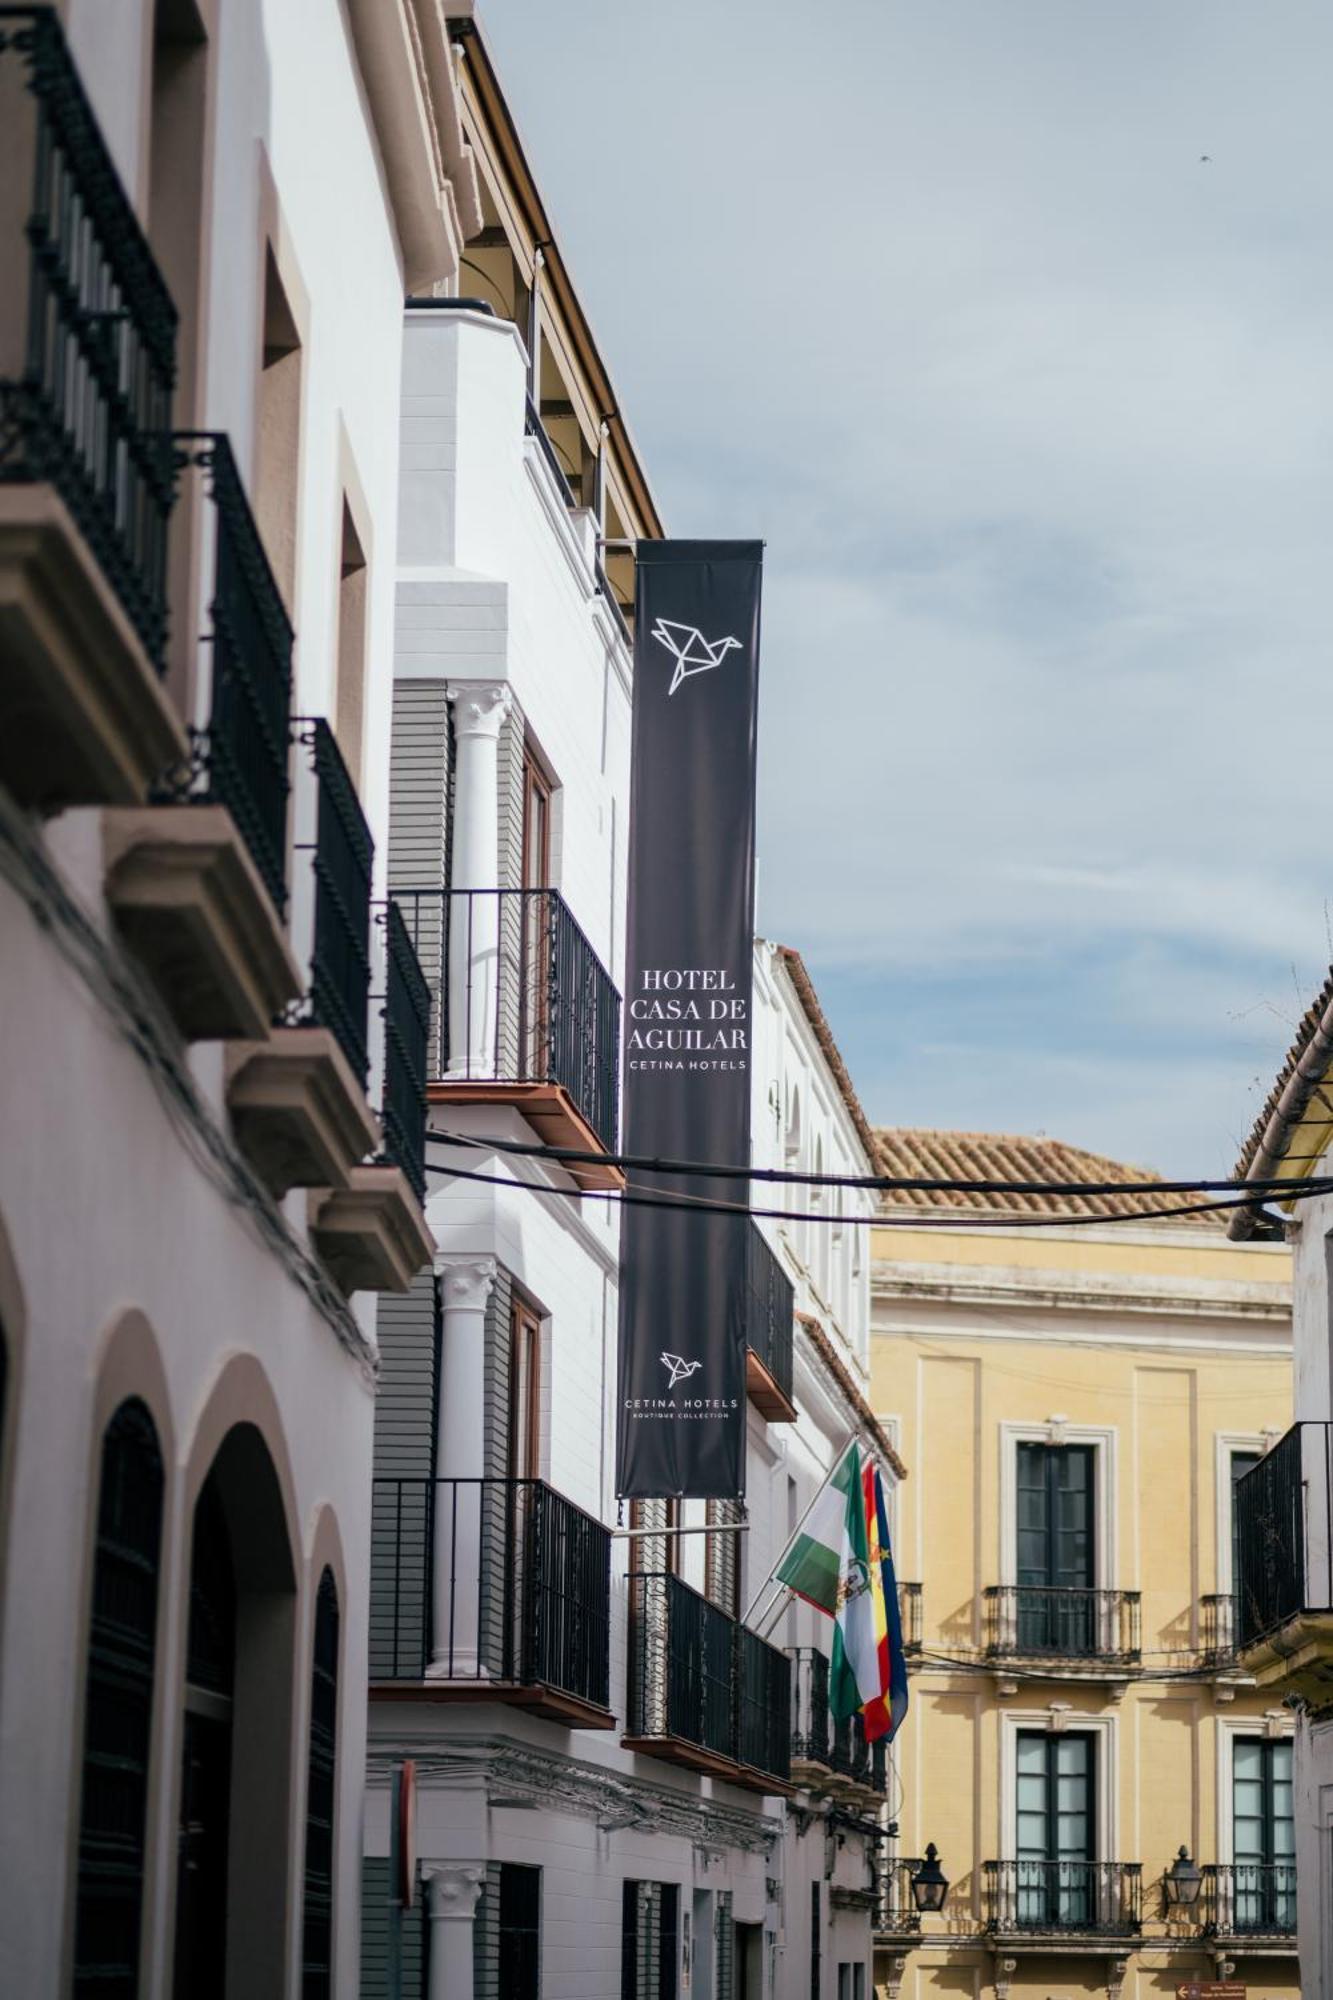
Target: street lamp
<point x="930" y="1884"/>
<point x="1182" y="1882"/>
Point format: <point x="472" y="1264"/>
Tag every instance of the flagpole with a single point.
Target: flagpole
<point x="792" y="1537"/>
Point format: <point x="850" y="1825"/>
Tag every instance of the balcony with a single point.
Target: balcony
<point x="1079" y="1629"/>
<point x="1250" y="1902"/>
<point x="526" y="1015"/>
<point x="705" y="1691"/>
<point x="896" y="1913"/>
<point x="1284" y="1529"/>
<point x="87" y="367"/>
<point x="406" y="1045"/>
<point x="770" y="1320"/>
<point x="909" y="1617"/>
<point x="493" y="1590"/>
<point x="1217" y="1630"/>
<point x="1061" y="1901"/>
<point x="198" y="881"/>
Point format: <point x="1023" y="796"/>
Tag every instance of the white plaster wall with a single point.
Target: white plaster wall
<point x="105" y="1210"/>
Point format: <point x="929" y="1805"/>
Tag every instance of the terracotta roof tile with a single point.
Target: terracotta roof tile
<point x="1307" y="1063"/>
<point x="1004" y="1156"/>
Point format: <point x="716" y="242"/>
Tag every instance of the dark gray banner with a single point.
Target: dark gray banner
<point x="687" y="1016"/>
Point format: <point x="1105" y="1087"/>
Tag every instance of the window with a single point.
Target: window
<point x="525" y="1381"/>
<point x="816" y="1942"/>
<point x="205" y="1816"/>
<point x="1055" y="1839"/>
<point x="649" y="1946"/>
<point x="1263" y="1835"/>
<point x="278" y="453"/>
<point x="320" y="1810"/>
<point x="520" y="1932"/>
<point x="536" y="822"/>
<point x="1056" y="1605"/>
<point x="118" y="1708"/>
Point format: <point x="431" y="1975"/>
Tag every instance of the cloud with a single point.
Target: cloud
<point x="1033" y="408"/>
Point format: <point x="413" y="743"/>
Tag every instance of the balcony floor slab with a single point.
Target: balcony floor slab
<point x="371" y="1233"/>
<point x="553" y="1116"/>
<point x="1297" y="1658"/>
<point x="84" y="717"/>
<point x="766" y="1393"/>
<point x="298" y="1112"/>
<point x="677" y="1750"/>
<point x="552" y="1704"/>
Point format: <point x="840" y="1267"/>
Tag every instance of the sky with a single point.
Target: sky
<point x="1008" y="325"/>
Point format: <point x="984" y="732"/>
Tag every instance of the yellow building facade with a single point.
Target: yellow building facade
<point x="1075" y="1401"/>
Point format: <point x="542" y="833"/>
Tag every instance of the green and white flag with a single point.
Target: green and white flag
<point x="828" y="1564"/>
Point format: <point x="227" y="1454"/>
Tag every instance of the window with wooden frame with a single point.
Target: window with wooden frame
<point x="525" y="1392"/>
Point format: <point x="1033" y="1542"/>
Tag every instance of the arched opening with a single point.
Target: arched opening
<point x="321" y="1793"/>
<point x="118" y="1708"/>
<point x="232" y="1867"/>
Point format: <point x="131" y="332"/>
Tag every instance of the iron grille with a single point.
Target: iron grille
<point x="897" y="1914"/>
<point x="700" y="1678"/>
<point x="241" y="760"/>
<point x="344" y="851"/>
<point x="91" y="410"/>
<point x="406" y="1041"/>
<point x="1250" y="1899"/>
<point x="321" y="1809"/>
<point x="909" y="1616"/>
<point x="770" y="1310"/>
<point x="1284" y="1532"/>
<point x="489" y="1580"/>
<point x="523" y="997"/>
<point x="1042" y="1620"/>
<point x="1055" y="1898"/>
<point x="811" y="1723"/>
<point x="1218" y="1633"/>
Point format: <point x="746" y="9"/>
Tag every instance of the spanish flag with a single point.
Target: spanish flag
<point x="884" y="1711"/>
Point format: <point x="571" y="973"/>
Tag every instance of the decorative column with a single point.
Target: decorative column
<point x="465" y="1288"/>
<point x="452" y="1892"/>
<point x="480" y="708"/>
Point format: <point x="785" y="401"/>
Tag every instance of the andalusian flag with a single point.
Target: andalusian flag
<point x="839" y="1561"/>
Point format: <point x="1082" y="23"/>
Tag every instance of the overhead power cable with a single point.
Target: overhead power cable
<point x="639" y="1197"/>
<point x="882" y="1183"/>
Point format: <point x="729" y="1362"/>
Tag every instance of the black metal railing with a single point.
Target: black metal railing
<point x="1249" y="1899"/>
<point x="85" y="397"/>
<point x="1091" y="1898"/>
<point x="1035" y="1620"/>
<point x="699" y="1677"/>
<point x="862" y="1763"/>
<point x="242" y="759"/>
<point x="489" y="1580"/>
<point x="1284" y="1533"/>
<point x="521" y="996"/>
<point x="909" y="1616"/>
<point x="770" y="1311"/>
<point x="344" y="852"/>
<point x="1217" y="1628"/>
<point x="811" y="1722"/>
<point x="535" y="428"/>
<point x="896" y="1913"/>
<point x="406" y="1040"/>
<point x="613" y="603"/>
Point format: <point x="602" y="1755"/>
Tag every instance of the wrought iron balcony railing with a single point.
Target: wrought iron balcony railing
<point x="343" y="852"/>
<point x="703" y="1685"/>
<point x="241" y="760"/>
<point x="896" y="1914"/>
<point x="88" y="344"/>
<point x="1217" y="1633"/>
<point x="909" y="1617"/>
<point x="406" y="1039"/>
<point x="770" y="1312"/>
<point x="811" y="1722"/>
<point x="1284" y="1532"/>
<point x="864" y="1764"/>
<point x="1034" y="1621"/>
<point x="521" y="997"/>
<point x="502" y="1583"/>
<point x="1249" y="1899"/>
<point x="1064" y="1898"/>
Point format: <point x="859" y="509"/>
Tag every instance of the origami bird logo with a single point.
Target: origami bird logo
<point x="680" y="1369"/>
<point x="692" y="653"/>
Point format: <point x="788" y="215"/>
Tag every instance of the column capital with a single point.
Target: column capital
<point x="480" y="706"/>
<point x="452" y="1889"/>
<point x="465" y="1282"/>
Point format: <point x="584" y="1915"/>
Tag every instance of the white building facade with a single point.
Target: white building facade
<point x="606" y="1798"/>
<point x="209" y="216"/>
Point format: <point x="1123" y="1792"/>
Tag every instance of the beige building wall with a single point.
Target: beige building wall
<point x="1164" y="1348"/>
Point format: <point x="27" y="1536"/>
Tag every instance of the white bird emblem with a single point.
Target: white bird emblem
<point x="681" y="1370"/>
<point x="693" y="653"/>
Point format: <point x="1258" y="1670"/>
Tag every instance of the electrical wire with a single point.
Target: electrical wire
<point x="879" y="1183"/>
<point x="636" y="1197"/>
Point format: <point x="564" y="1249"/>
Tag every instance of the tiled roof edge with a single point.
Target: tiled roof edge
<point x="865" y="1416"/>
<point x="815" y="1015"/>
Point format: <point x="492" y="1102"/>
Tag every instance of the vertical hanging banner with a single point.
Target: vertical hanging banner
<point x="688" y="990"/>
